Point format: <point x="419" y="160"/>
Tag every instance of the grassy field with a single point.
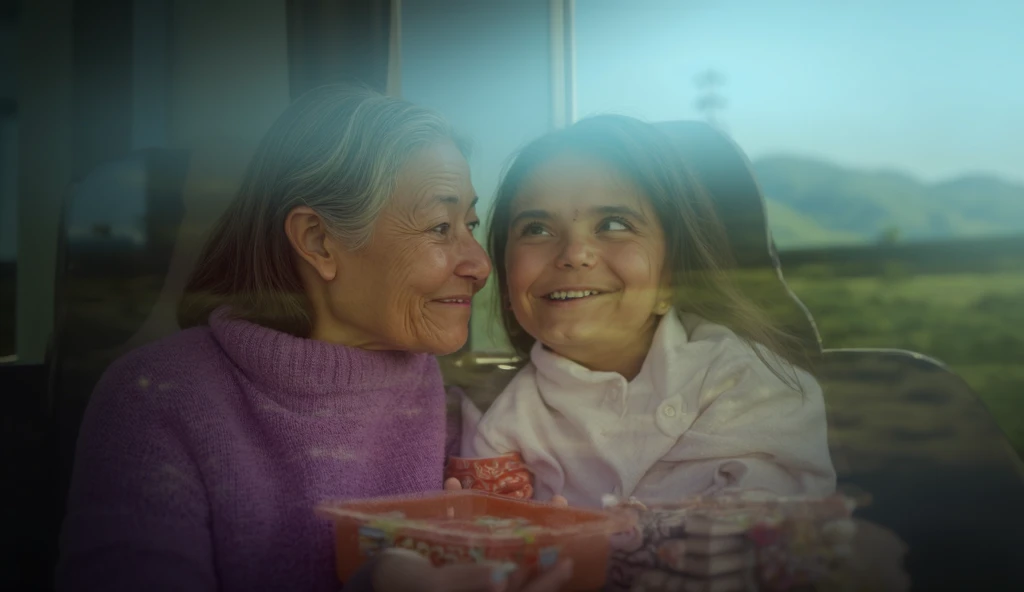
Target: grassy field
<point x="972" y="322"/>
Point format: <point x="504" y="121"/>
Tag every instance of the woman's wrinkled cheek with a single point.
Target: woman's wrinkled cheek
<point x="413" y="273"/>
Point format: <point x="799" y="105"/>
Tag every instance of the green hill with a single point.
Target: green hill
<point x="793" y="229"/>
<point x="813" y="202"/>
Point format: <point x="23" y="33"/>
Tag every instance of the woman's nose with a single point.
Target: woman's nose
<point x="474" y="264"/>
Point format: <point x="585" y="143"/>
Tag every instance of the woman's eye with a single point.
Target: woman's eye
<point x="473" y="225"/>
<point x="614" y="224"/>
<point x="534" y="229"/>
<point x="442" y="229"/>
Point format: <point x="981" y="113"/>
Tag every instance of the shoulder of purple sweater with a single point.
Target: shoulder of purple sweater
<point x="180" y="364"/>
<point x="187" y="349"/>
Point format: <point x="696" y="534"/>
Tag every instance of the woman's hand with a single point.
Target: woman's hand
<point x="453" y="484"/>
<point x="400" y="570"/>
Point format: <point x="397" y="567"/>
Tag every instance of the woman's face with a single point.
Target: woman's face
<point x="584" y="261"/>
<point x="410" y="288"/>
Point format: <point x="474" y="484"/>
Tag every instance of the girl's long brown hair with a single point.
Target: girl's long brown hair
<point x="698" y="255"/>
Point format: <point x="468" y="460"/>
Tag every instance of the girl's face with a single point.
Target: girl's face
<point x="585" y="263"/>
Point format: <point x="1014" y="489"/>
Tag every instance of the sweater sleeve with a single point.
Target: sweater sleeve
<point x="137" y="514"/>
<point x="362" y="580"/>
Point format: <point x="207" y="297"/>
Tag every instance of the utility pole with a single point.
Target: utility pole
<point x="709" y="100"/>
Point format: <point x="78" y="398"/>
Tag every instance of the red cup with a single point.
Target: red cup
<point x="504" y="475"/>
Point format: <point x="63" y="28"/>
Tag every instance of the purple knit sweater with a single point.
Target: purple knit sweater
<point x="201" y="457"/>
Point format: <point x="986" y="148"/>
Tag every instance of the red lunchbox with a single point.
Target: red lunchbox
<point x="476" y="527"/>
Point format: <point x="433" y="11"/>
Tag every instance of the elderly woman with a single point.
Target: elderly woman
<point x="305" y="369"/>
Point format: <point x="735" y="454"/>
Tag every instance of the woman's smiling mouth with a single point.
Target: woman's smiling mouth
<point x="461" y="300"/>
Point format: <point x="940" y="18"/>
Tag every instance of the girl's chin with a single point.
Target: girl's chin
<point x="568" y="343"/>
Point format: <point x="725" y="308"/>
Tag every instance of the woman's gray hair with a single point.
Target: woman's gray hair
<point x="336" y="149"/>
<point x="345" y="149"/>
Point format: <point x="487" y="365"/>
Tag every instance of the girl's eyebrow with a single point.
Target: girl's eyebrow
<point x="625" y="211"/>
<point x="620" y="211"/>
<point x="530" y="215"/>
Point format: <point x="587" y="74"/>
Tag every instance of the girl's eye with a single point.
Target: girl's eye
<point x="442" y="229"/>
<point x="614" y="224"/>
<point x="533" y="229"/>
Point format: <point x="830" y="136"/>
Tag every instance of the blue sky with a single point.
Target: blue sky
<point x="933" y="88"/>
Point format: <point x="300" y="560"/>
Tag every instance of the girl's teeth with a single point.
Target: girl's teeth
<point x="569" y="294"/>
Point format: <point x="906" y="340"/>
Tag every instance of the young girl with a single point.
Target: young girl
<point x="650" y="375"/>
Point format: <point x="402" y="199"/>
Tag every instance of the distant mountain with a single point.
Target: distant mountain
<point x="813" y="202"/>
<point x="791" y="228"/>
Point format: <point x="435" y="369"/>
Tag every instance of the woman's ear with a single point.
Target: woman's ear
<point x="310" y="240"/>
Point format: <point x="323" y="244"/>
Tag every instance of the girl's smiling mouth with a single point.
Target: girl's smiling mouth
<point x="572" y="294"/>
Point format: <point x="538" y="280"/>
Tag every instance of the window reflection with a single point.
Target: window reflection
<point x="885" y="140"/>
